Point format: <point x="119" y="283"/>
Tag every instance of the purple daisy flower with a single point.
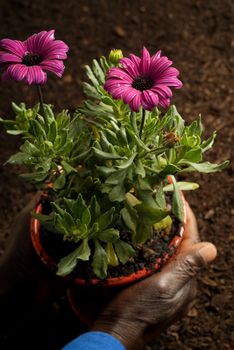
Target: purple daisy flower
<point x="28" y="60"/>
<point x="143" y="81"/>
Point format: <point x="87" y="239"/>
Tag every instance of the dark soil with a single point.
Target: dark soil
<point x="198" y="36"/>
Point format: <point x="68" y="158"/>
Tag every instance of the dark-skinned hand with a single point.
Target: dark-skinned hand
<point x="141" y="311"/>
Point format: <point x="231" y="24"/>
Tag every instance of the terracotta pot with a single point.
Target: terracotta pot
<point x="109" y="282"/>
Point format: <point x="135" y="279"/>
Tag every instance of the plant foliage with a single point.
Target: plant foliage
<point x="105" y="177"/>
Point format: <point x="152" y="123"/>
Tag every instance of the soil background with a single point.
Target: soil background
<point x="198" y="36"/>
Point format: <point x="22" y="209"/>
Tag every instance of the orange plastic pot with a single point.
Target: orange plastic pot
<point x="109" y="282"/>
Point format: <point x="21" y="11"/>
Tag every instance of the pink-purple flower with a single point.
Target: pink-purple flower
<point x="30" y="59"/>
<point x="145" y="81"/>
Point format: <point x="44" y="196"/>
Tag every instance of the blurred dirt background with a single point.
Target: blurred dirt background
<point x="199" y="37"/>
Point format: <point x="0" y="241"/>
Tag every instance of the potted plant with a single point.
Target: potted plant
<point x="112" y="210"/>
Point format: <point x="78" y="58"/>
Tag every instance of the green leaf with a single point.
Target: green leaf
<point x="15" y="132"/>
<point x="105" y="219"/>
<point x="52" y="131"/>
<point x="132" y="200"/>
<point x="100" y="261"/>
<point x="205" y="167"/>
<point x="48" y="113"/>
<point x="90" y="91"/>
<point x="105" y="170"/>
<point x="177" y="203"/>
<point x="193" y="155"/>
<point x="94" y="207"/>
<point x="127" y="163"/>
<point x="183" y="186"/>
<point x="68" y="263"/>
<point x="140" y="168"/>
<point x="143" y="232"/>
<point x="91" y="76"/>
<point x="129" y="221"/>
<point x="18" y="158"/>
<point x="61" y="140"/>
<point x="124" y="251"/>
<point x="36" y="130"/>
<point x="68" y="220"/>
<point x="98" y="72"/>
<point x="41" y="217"/>
<point x="108" y="101"/>
<point x="68" y="203"/>
<point x="57" y="208"/>
<point x="108" y="235"/>
<point x="67" y="167"/>
<point x="59" y="183"/>
<point x="149" y="215"/>
<point x="208" y="143"/>
<point x="196" y="127"/>
<point x="17" y="109"/>
<point x="164" y="224"/>
<point x="30" y="148"/>
<point x="105" y="155"/>
<point x="60" y="225"/>
<point x="111" y="255"/>
<point x="117" y="193"/>
<point x="35" y="176"/>
<point x="175" y="120"/>
<point x="169" y="169"/>
<point x="86" y="216"/>
<point x="117" y="177"/>
<point x="104" y="64"/>
<point x="78" y="207"/>
<point x="159" y="198"/>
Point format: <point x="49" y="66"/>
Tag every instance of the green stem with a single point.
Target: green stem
<point x="142" y="122"/>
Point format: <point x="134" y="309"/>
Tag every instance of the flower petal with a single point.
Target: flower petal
<point x="43" y="39"/>
<point x="119" y="73"/>
<point x="16" y="47"/>
<point x="162" y="90"/>
<point x="112" y="83"/>
<point x="149" y="100"/>
<point x="135" y="103"/>
<point x="164" y="102"/>
<point x="56" y="49"/>
<point x="55" y="66"/>
<point x="35" y="75"/>
<point x="135" y="59"/>
<point x="9" y="57"/>
<point x="145" y="62"/>
<point x="170" y="81"/>
<point x="129" y="94"/>
<point x="36" y="42"/>
<point x="155" y="57"/>
<point x="159" y="66"/>
<point x="16" y="71"/>
<point x="130" y="67"/>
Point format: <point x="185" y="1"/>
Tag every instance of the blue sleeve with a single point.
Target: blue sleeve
<point x="95" y="341"/>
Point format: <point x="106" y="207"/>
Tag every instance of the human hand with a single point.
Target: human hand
<point x="143" y="310"/>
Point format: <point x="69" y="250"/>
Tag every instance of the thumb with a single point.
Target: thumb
<point x="206" y="250"/>
<point x="186" y="265"/>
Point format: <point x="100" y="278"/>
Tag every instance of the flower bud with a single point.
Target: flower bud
<point x="114" y="56"/>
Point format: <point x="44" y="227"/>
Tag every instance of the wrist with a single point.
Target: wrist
<point x="128" y="333"/>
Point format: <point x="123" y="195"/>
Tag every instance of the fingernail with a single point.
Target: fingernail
<point x="208" y="252"/>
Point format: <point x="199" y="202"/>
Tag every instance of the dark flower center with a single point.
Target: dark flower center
<point x="31" y="59"/>
<point x="142" y="83"/>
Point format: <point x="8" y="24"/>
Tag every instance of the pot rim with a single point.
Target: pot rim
<point x="111" y="281"/>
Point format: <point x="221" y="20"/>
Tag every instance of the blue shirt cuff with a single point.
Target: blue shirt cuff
<point x="95" y="341"/>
